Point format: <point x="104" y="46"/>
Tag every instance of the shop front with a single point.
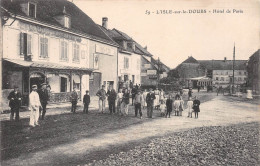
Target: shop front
<point x="60" y="79"/>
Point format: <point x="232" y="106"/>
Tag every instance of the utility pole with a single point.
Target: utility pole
<point x="233" y="80"/>
<point x="158" y="71"/>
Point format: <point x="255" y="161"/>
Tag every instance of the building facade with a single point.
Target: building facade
<point x="44" y="42"/>
<point x="253" y="72"/>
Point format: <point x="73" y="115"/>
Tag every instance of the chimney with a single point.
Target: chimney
<point x="133" y="46"/>
<point x="225" y="59"/>
<point x="145" y="47"/>
<point x="104" y="22"/>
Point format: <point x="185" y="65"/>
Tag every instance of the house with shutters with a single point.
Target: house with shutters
<point x="53" y="42"/>
<point x="212" y="72"/>
<point x="135" y="64"/>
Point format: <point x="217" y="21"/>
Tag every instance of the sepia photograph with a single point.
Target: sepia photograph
<point x="130" y="82"/>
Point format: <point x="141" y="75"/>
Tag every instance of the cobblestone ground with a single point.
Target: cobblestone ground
<point x="216" y="145"/>
<point x="219" y="111"/>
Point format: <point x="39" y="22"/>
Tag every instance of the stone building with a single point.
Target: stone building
<point x="253" y="72"/>
<point x="212" y="72"/>
<point x="53" y="42"/>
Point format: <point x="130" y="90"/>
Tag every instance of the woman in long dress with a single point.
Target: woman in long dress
<point x="144" y="99"/>
<point x="157" y="98"/>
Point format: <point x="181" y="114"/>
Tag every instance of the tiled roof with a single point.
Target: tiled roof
<point x="190" y="60"/>
<point x="48" y="65"/>
<point x="47" y="9"/>
<point x="223" y="64"/>
<point x="136" y="43"/>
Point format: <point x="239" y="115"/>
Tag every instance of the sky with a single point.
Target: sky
<point x="200" y="32"/>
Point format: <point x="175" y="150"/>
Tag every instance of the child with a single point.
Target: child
<point x="196" y="107"/>
<point x="176" y="106"/>
<point x="86" y="101"/>
<point x="189" y="105"/>
<point x="169" y="106"/>
<point x="181" y="106"/>
<point x="162" y="107"/>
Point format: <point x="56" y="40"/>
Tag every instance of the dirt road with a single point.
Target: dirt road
<point x="219" y="111"/>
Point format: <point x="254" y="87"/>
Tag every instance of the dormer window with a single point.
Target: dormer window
<point x="66" y="21"/>
<point x="32" y="10"/>
<point x="63" y="18"/>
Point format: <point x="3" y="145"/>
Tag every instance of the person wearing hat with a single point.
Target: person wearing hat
<point x="111" y="93"/>
<point x="150" y="102"/>
<point x="86" y="101"/>
<point x="74" y="100"/>
<point x="14" y="98"/>
<point x="102" y="99"/>
<point x="34" y="106"/>
<point x="138" y="101"/>
<point x="44" y="97"/>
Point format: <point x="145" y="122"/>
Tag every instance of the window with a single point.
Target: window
<point x="126" y="62"/>
<point x="239" y="79"/>
<point x="64" y="51"/>
<point x="245" y="73"/>
<point x="66" y="22"/>
<point x="244" y="78"/>
<point x="222" y="78"/>
<point x="227" y="73"/>
<point x="138" y="64"/>
<point x="75" y="57"/>
<point x="240" y="73"/>
<point x="217" y="78"/>
<point x="32" y="10"/>
<point x="43" y="47"/>
<point x="25" y="44"/>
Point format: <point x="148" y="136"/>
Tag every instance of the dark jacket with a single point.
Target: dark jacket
<point x="43" y="95"/>
<point x="86" y="99"/>
<point x="111" y="95"/>
<point x="74" y="97"/>
<point x="15" y="102"/>
<point x="169" y="104"/>
<point x="126" y="98"/>
<point x="150" y="98"/>
<point x="196" y="105"/>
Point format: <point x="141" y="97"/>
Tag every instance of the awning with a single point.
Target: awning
<point x="47" y="65"/>
<point x="200" y="78"/>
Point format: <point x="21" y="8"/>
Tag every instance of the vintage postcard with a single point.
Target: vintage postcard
<point x="130" y="82"/>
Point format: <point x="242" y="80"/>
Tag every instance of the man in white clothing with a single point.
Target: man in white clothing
<point x="34" y="106"/>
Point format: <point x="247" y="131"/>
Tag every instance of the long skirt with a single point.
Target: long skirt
<point x="157" y="100"/>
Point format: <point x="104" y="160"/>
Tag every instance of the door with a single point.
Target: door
<point x="63" y="84"/>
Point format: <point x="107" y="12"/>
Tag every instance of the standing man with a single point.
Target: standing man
<point x="34" y="106"/>
<point x="111" y="93"/>
<point x="133" y="92"/>
<point x="74" y="100"/>
<point x="15" y="103"/>
<point x="44" y="97"/>
<point x="102" y="99"/>
<point x="150" y="102"/>
<point x="190" y="92"/>
<point x="138" y="101"/>
<point x="86" y="101"/>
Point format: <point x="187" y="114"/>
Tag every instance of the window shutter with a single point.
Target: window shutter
<point x="29" y="44"/>
<point x="45" y="47"/>
<point x="21" y="43"/>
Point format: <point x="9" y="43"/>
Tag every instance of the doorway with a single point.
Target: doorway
<point x="36" y="79"/>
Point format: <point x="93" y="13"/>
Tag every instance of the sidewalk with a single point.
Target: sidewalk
<point x="55" y="109"/>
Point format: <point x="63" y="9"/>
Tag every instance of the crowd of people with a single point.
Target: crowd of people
<point x="147" y="100"/>
<point x="118" y="102"/>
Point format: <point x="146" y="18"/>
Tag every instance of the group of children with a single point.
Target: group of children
<point x="178" y="106"/>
